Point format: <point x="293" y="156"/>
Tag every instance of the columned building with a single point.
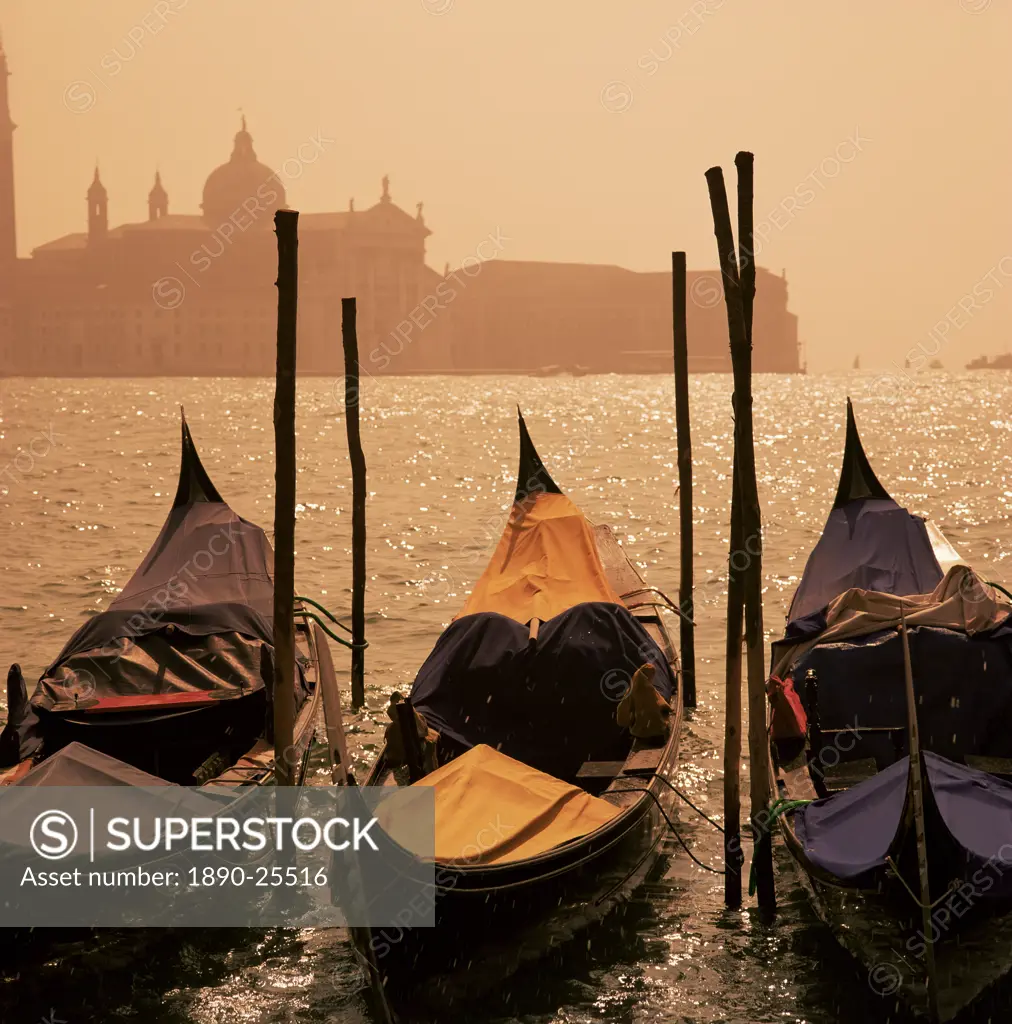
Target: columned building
<point x="193" y="293"/>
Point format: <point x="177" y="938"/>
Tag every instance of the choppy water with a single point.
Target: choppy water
<point x="87" y="472"/>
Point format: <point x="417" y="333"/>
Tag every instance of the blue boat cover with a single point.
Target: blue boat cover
<point x="850" y="834"/>
<point x="870" y="543"/>
<point x="551" y="704"/>
<point x="976" y="809"/>
<point x="968" y="818"/>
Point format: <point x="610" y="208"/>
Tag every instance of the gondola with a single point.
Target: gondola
<point x="891" y="698"/>
<point x="548" y="811"/>
<point x="173" y="682"/>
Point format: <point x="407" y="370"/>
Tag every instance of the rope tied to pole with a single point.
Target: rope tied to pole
<point x="779" y="807"/>
<point x="326" y="611"/>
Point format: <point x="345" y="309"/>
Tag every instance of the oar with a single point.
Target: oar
<point x="337" y="748"/>
<point x="917" y="796"/>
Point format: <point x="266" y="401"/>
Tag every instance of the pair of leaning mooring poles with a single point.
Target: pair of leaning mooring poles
<point x="286" y="225"/>
<point x="744" y="589"/>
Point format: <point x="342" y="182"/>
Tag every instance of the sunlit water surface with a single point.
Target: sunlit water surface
<point x="87" y="473"/>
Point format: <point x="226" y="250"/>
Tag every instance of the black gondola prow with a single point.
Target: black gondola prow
<point x="857" y="478"/>
<point x="532" y="477"/>
<point x="194" y="483"/>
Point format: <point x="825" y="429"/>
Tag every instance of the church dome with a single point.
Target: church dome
<point x="243" y="188"/>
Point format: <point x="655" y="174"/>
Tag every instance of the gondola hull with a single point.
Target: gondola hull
<point x="490" y="921"/>
<point x="882" y="930"/>
<point x="878" y="855"/>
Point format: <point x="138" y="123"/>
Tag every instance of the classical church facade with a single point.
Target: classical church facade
<point x="193" y="294"/>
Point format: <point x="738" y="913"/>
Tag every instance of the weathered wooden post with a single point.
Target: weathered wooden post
<point x="349" y="338"/>
<point x="916" y="787"/>
<point x="736" y="584"/>
<point x="286" y="226"/>
<point x="751" y="551"/>
<point x="732" y="701"/>
<point x="687" y="640"/>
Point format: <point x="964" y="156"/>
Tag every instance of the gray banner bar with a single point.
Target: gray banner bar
<point x="171" y="856"/>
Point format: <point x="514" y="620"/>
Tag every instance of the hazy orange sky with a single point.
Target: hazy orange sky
<point x="580" y="130"/>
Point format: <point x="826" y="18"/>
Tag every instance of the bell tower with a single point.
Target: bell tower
<point x="8" y="238"/>
<point x="98" y="211"/>
<point x="158" y="200"/>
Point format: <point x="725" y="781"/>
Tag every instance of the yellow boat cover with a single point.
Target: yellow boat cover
<point x="546" y="561"/>
<point x="491" y="809"/>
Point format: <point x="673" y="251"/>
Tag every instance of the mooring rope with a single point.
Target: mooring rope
<point x="679" y="793"/>
<point x="674" y="831"/>
<point x="779" y="807"/>
<point x="326" y="611"/>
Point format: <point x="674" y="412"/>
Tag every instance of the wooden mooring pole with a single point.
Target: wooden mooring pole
<point x="732" y="702"/>
<point x="750" y="553"/>
<point x="349" y="338"/>
<point x="286" y="226"/>
<point x="687" y="640"/>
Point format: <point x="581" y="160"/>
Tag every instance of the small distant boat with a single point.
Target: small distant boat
<point x="936" y="364"/>
<point x="521" y="700"/>
<point x="556" y="370"/>
<point x="857" y="362"/>
<point x="894" y="764"/>
<point x="1001" y="362"/>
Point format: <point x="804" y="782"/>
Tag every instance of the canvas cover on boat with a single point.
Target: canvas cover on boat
<point x="968" y="826"/>
<point x="551" y="703"/>
<point x="961" y="600"/>
<point x="208" y="574"/>
<point x="850" y="834"/>
<point x="80" y="765"/>
<point x="850" y="672"/>
<point x="492" y="809"/>
<point x="546" y="562"/>
<point x="869" y="542"/>
<point x="976" y="810"/>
